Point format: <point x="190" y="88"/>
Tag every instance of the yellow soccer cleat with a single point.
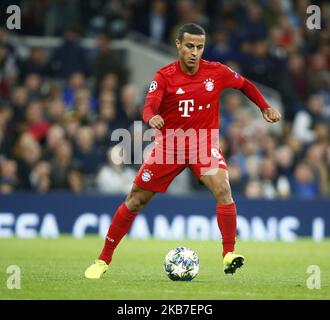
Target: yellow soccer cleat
<point x="232" y="261"/>
<point x="96" y="270"/>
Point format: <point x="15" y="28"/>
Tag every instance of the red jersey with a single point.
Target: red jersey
<point x="189" y="102"/>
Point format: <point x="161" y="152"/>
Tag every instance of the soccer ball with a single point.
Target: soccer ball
<point x="181" y="264"/>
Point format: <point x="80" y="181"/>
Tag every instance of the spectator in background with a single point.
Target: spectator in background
<point x="318" y="69"/>
<point x="19" y="100"/>
<point x="107" y="107"/>
<point x="53" y="90"/>
<point x="71" y="125"/>
<point x="221" y="49"/>
<point x="282" y="162"/>
<point x="297" y="77"/>
<point x="7" y="132"/>
<point x="315" y="158"/>
<point x="83" y="106"/>
<point x="40" y="177"/>
<point x="231" y="106"/>
<point x="248" y="158"/>
<point x="155" y="21"/>
<point x="35" y="121"/>
<point x="296" y="146"/>
<point x="159" y="21"/>
<point x="55" y="137"/>
<point x="293" y="85"/>
<point x="109" y="82"/>
<point x="61" y="165"/>
<point x="7" y="186"/>
<point x="324" y="48"/>
<point x="268" y="178"/>
<point x="268" y="145"/>
<point x="327" y="160"/>
<point x="27" y="154"/>
<point x="305" y="120"/>
<point x="7" y="71"/>
<point x="35" y="63"/>
<point x="76" y="81"/>
<point x="304" y="184"/>
<point x="115" y="177"/>
<point x="284" y="156"/>
<point x="86" y="154"/>
<point x="70" y="57"/>
<point x="128" y="106"/>
<point x="33" y="83"/>
<point x="283" y="187"/>
<point x="288" y="38"/>
<point x="262" y="66"/>
<point x="8" y="175"/>
<point x="322" y="132"/>
<point x="253" y="189"/>
<point x="55" y="111"/>
<point x="238" y="181"/>
<point x="271" y="13"/>
<point x="235" y="138"/>
<point x="107" y="61"/>
<point x="76" y="180"/>
<point x="101" y="133"/>
<point x="253" y="26"/>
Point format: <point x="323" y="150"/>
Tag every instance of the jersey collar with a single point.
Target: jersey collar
<point x="186" y="74"/>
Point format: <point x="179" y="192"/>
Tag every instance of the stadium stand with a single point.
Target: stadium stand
<point x="77" y="71"/>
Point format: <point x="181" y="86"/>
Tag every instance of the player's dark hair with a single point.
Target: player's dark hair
<point x="191" y="28"/>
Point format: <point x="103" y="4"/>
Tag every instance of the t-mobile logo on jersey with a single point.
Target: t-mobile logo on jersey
<point x="188" y="105"/>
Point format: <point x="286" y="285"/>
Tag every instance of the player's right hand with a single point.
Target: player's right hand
<point x="156" y="122"/>
<point x="271" y="115"/>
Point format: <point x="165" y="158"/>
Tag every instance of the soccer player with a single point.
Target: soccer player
<point x="184" y="96"/>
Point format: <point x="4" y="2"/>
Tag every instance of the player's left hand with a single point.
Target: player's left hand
<point x="271" y="115"/>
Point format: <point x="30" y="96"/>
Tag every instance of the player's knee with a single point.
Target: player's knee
<point x="136" y="201"/>
<point x="222" y="193"/>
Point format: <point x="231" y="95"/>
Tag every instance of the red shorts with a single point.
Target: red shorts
<point x="157" y="177"/>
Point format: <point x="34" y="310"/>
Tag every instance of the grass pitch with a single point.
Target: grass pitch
<point x="54" y="269"/>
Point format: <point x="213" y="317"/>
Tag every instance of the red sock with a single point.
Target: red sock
<point x="121" y="223"/>
<point x="226" y="216"/>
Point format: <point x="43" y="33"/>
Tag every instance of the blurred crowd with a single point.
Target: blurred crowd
<point x="59" y="107"/>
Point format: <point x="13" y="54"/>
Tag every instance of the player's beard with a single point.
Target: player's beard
<point x="192" y="61"/>
<point x="192" y="64"/>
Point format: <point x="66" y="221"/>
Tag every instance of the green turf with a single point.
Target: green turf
<point x="53" y="269"/>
